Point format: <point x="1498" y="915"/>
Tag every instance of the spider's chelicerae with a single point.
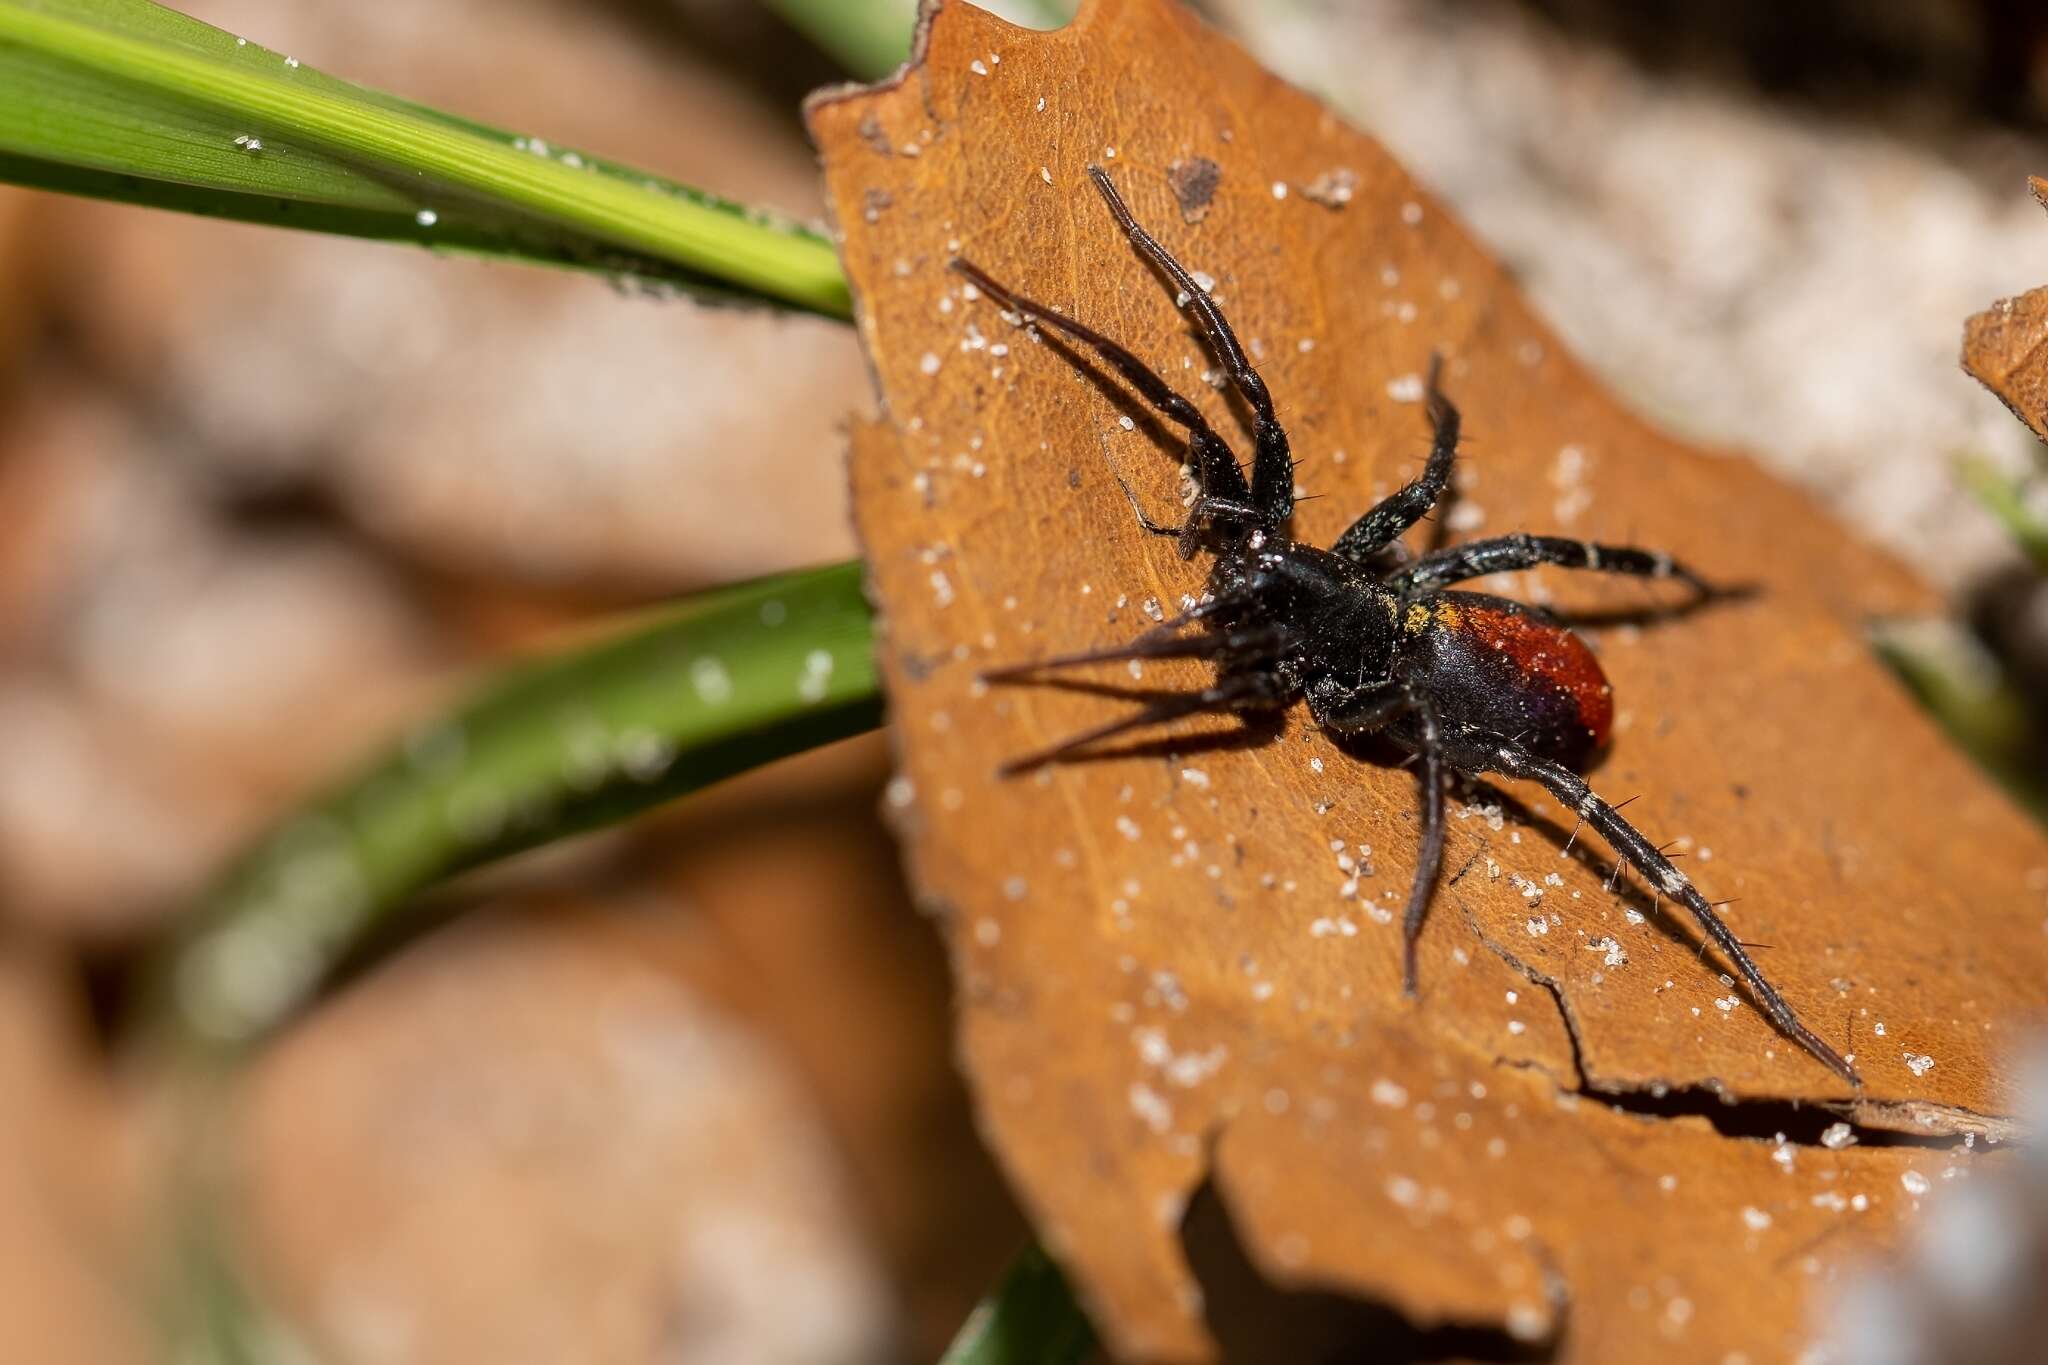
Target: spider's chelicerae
<point x="1469" y="683"/>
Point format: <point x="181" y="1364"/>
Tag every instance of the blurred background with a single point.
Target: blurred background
<point x="683" y="1092"/>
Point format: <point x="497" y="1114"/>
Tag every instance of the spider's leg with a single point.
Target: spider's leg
<point x="1407" y="505"/>
<point x="1228" y="695"/>
<point x="1215" y="466"/>
<point x="1628" y="842"/>
<point x="1272" y="490"/>
<point x="1433" y="775"/>
<point x="1361" y="712"/>
<point x="1500" y="554"/>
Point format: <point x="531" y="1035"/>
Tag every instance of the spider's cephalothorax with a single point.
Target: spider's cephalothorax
<point x="1469" y="683"/>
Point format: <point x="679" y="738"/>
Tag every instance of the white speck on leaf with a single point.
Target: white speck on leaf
<point x="1407" y="388"/>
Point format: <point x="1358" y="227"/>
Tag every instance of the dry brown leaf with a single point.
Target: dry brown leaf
<point x="1163" y="972"/>
<point x="2003" y="347"/>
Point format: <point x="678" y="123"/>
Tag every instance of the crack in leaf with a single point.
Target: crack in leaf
<point x="1869" y="1123"/>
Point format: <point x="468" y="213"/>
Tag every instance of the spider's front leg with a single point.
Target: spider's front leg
<point x="1216" y="468"/>
<point x="1407" y="505"/>
<point x="1272" y="487"/>
<point x="1629" y="843"/>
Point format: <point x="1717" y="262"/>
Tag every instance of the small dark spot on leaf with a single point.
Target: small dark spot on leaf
<point x="1194" y="185"/>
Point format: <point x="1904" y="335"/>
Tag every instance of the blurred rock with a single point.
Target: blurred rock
<point x="20" y="289"/>
<point x="66" y="1287"/>
<point x="514" y="1145"/>
<point x="1970" y="1285"/>
<point x="799" y="921"/>
<point x="678" y="1093"/>
<point x="167" y="677"/>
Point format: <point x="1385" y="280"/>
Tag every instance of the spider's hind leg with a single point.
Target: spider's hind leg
<point x="1629" y="844"/>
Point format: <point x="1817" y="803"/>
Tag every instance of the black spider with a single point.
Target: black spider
<point x="1468" y="682"/>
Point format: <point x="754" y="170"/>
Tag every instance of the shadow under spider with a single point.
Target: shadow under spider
<point x="1258" y="728"/>
<point x="1254" y="729"/>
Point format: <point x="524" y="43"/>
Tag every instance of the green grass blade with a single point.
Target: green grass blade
<point x="1030" y="1319"/>
<point x="2021" y="505"/>
<point x="1962" y="686"/>
<point x="125" y="99"/>
<point x="701" y="691"/>
<point x="871" y="38"/>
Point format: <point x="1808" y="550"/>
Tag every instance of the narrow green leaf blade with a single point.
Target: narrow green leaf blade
<point x="2021" y="504"/>
<point x="1962" y="686"/>
<point x="125" y="99"/>
<point x="1030" y="1319"/>
<point x="719" y="684"/>
<point x="871" y="38"/>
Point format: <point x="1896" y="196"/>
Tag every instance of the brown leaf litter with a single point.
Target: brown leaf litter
<point x="1182" y="963"/>
<point x="2005" y="347"/>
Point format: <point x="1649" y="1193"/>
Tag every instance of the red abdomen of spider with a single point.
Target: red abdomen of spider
<point x="1491" y="665"/>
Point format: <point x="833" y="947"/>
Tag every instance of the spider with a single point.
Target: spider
<point x="1374" y="642"/>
